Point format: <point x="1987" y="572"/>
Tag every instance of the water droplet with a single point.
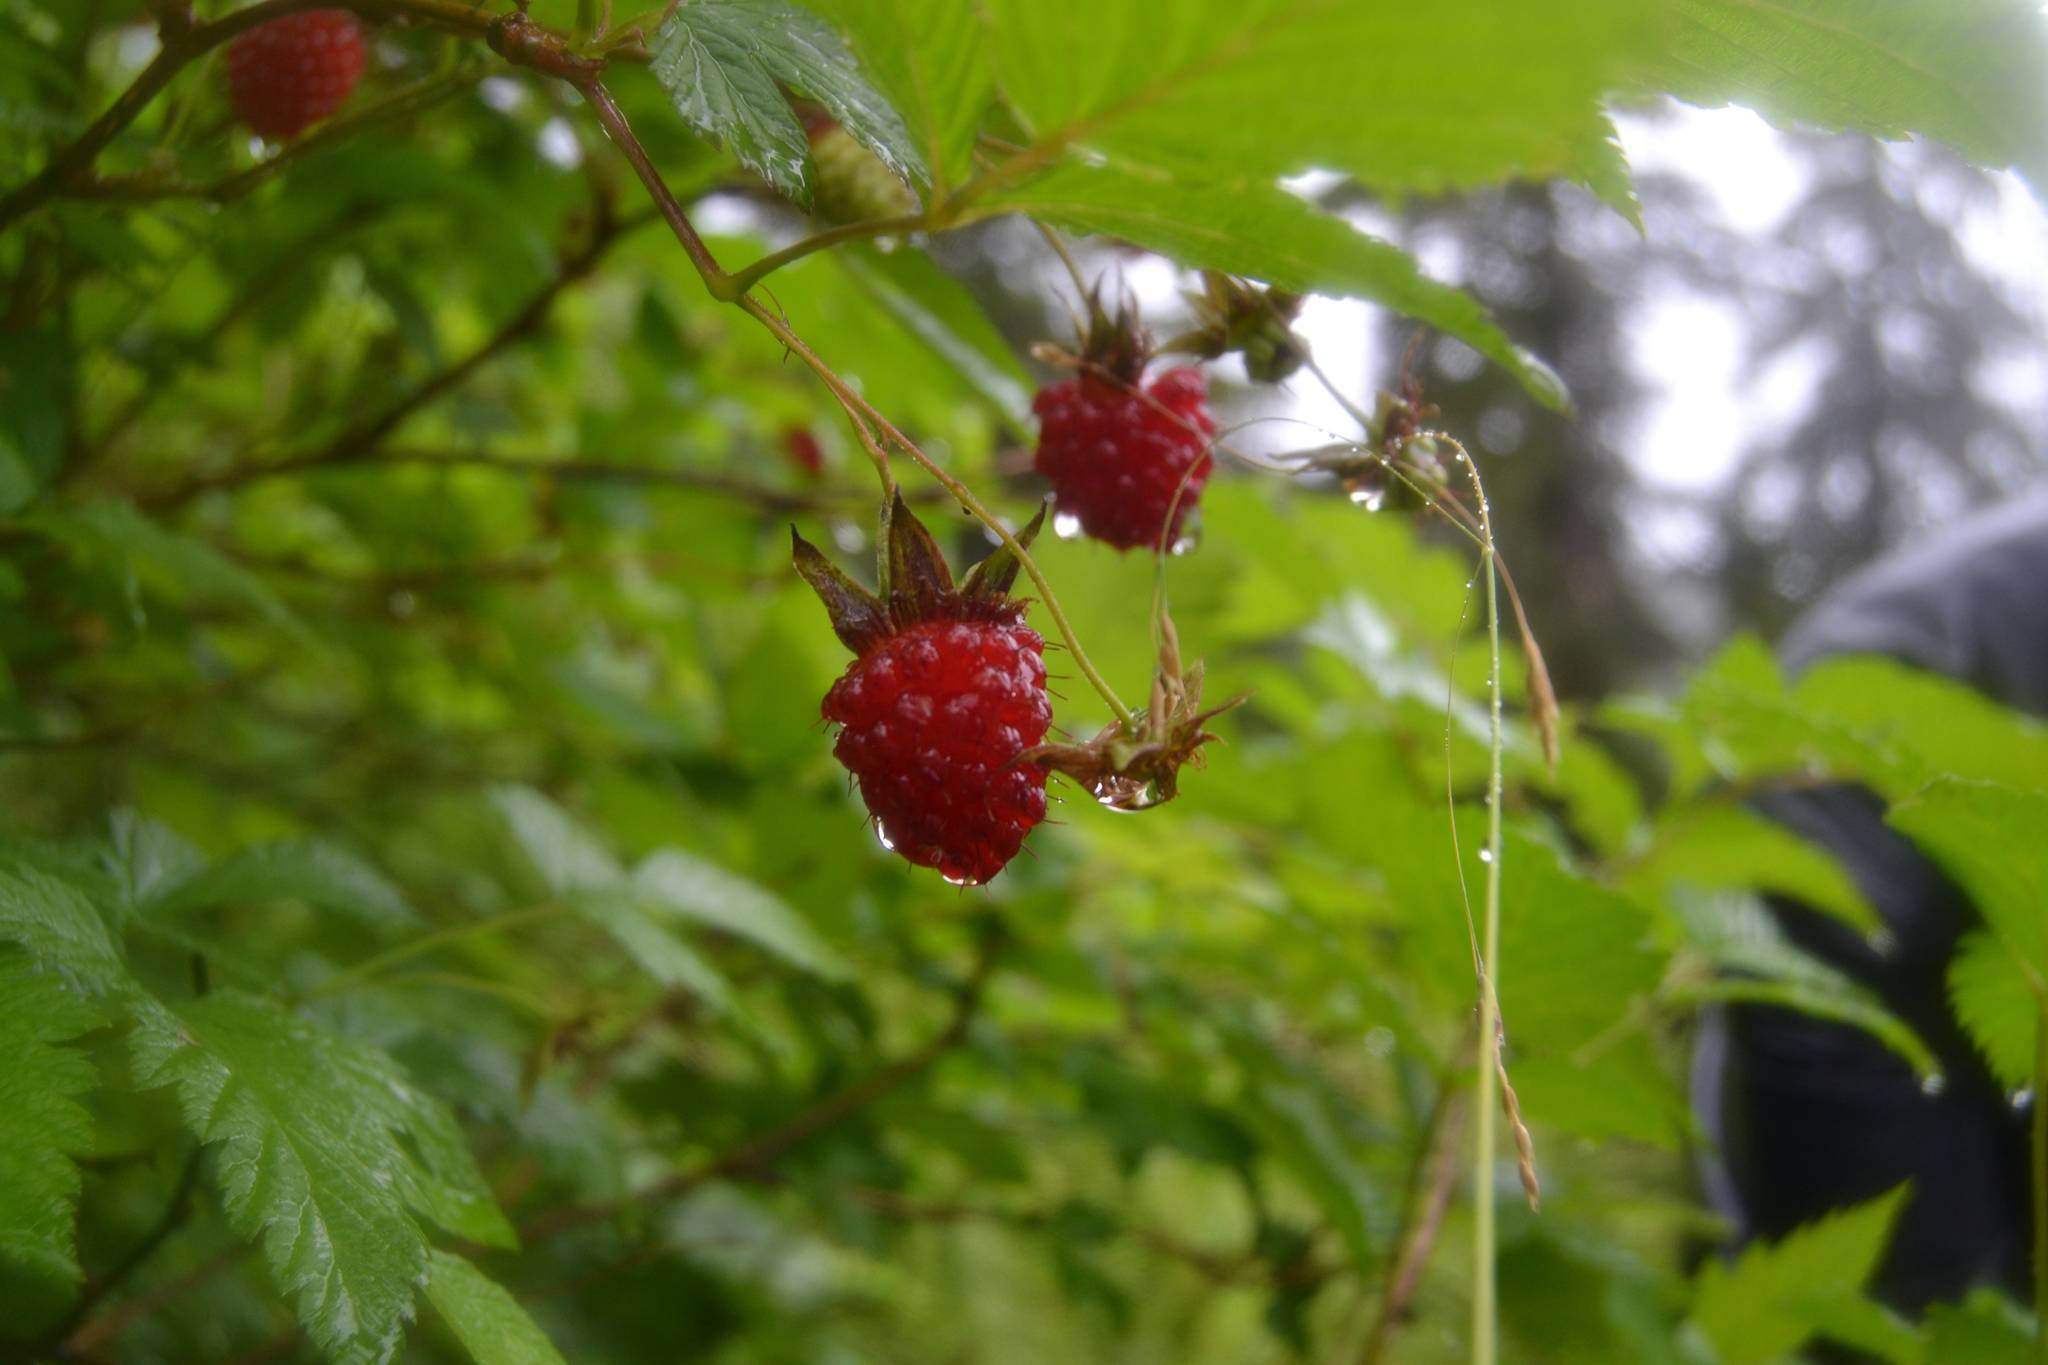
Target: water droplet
<point x="2022" y="1098"/>
<point x="952" y="880"/>
<point x="882" y="838"/>
<point x="1371" y="499"/>
<point x="1485" y="855"/>
<point x="1126" y="797"/>
<point x="1379" y="1040"/>
<point x="1066" y="525"/>
<point x="1933" y="1084"/>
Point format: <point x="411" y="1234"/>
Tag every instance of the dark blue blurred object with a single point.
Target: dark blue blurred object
<point x="1809" y="1116"/>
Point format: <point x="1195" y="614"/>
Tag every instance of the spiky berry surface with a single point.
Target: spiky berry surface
<point x="1123" y="462"/>
<point x="933" y="717"/>
<point x="288" y="74"/>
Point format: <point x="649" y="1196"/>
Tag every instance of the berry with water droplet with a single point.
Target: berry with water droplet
<point x="947" y="691"/>
<point x="288" y="74"/>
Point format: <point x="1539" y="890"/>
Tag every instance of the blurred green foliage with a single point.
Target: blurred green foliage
<point x="432" y="925"/>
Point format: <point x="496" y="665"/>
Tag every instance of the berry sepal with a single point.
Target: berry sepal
<point x="1136" y="768"/>
<point x="916" y="585"/>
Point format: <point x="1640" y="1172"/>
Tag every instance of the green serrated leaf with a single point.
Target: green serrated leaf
<point x="1762" y="1306"/>
<point x="42" y="1127"/>
<point x="1973" y="73"/>
<point x="1264" y="233"/>
<point x="1459" y="93"/>
<point x="1729" y="847"/>
<point x="325" y="1151"/>
<point x="310" y="870"/>
<point x="1988" y="838"/>
<point x="1996" y="1006"/>
<point x="1985" y="1329"/>
<point x="147" y="858"/>
<point x="60" y="929"/>
<point x="180" y="564"/>
<point x="672" y="882"/>
<point x="655" y="946"/>
<point x="929" y="58"/>
<point x="567" y="857"/>
<point x="1737" y="934"/>
<point x="724" y="63"/>
<point x="1603" y="168"/>
<point x="1574" y="954"/>
<point x="488" y="1322"/>
<point x="936" y="309"/>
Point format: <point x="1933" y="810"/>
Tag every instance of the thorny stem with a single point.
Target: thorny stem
<point x="614" y="122"/>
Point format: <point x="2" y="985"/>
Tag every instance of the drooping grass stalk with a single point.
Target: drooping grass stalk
<point x="1483" y="1309"/>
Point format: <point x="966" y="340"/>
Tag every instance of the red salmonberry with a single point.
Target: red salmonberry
<point x="1126" y="461"/>
<point x="804" y="451"/>
<point x="288" y="74"/>
<point x="948" y="690"/>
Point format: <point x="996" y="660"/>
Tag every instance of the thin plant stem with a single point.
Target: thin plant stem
<point x="747" y="277"/>
<point x="1052" y="239"/>
<point x="372" y="967"/>
<point x="1484" y="1348"/>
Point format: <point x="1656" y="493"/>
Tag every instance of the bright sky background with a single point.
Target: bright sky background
<point x="1686" y="346"/>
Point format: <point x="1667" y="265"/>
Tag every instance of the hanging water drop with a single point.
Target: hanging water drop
<point x="2021" y="1098"/>
<point x="1933" y="1083"/>
<point x="1485" y="855"/>
<point x="882" y="838"/>
<point x="1066" y="525"/>
<point x="1371" y="499"/>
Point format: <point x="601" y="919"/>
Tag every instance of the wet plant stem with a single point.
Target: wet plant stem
<point x="1483" y="1312"/>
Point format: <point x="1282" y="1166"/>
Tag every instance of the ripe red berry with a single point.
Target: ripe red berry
<point x="947" y="691"/>
<point x="288" y="74"/>
<point x="1125" y="462"/>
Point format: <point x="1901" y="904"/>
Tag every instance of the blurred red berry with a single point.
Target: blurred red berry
<point x="1128" y="463"/>
<point x="804" y="451"/>
<point x="288" y="74"/>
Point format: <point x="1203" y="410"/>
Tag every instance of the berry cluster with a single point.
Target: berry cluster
<point x="288" y="74"/>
